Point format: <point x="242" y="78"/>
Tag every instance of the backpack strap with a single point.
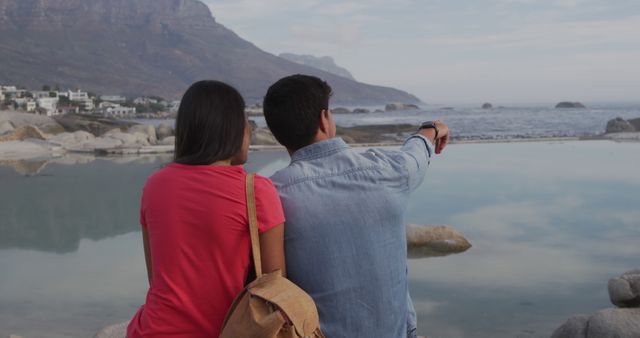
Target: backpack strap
<point x="253" y="224"/>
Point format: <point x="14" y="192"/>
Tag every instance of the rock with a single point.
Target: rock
<point x="163" y="131"/>
<point x="23" y="133"/>
<point x="341" y="110"/>
<point x="361" y="111"/>
<point x="625" y="290"/>
<point x="635" y="123"/>
<point x="614" y="323"/>
<point x="434" y="241"/>
<point x="168" y="141"/>
<point x="130" y="140"/>
<point x="72" y="141"/>
<point x="44" y="123"/>
<point x="400" y="106"/>
<point x="149" y="130"/>
<point x="574" y="327"/>
<point x="113" y="331"/>
<point x="566" y="104"/>
<point x="264" y="137"/>
<point x="392" y="133"/>
<point x="14" y="336"/>
<point x="6" y="127"/>
<point x="92" y="124"/>
<point x="487" y="106"/>
<point x="619" y="125"/>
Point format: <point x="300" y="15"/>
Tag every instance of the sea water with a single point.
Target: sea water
<point x="549" y="224"/>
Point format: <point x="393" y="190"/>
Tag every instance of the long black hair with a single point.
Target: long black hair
<point x="210" y="124"/>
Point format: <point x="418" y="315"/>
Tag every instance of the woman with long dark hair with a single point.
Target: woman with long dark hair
<point x="194" y="219"/>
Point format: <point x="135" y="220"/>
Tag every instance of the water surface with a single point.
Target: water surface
<point x="550" y="223"/>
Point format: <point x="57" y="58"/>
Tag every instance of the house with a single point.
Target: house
<point x="108" y="104"/>
<point x="67" y="110"/>
<point x="117" y="111"/>
<point x="30" y="105"/>
<point x="49" y="105"/>
<point x="2" y="96"/>
<point x="80" y="97"/>
<point x="37" y="94"/>
<point x="144" y="100"/>
<point x="113" y="98"/>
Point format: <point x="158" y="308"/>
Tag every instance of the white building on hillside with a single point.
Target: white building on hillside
<point x="38" y="94"/>
<point x="30" y="105"/>
<point x="145" y="100"/>
<point x="1" y="96"/>
<point x="49" y="104"/>
<point x="113" y="98"/>
<point x="120" y="111"/>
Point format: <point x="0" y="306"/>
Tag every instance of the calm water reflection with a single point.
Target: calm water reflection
<point x="550" y="223"/>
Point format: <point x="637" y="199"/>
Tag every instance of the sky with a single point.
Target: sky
<point x="460" y="51"/>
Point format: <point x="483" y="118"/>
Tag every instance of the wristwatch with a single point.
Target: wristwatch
<point x="430" y="124"/>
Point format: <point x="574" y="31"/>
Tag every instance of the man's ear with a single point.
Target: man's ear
<point x="325" y="125"/>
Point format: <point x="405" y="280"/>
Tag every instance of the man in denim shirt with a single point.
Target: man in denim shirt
<point x="345" y="238"/>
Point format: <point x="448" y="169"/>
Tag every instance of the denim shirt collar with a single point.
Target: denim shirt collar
<point x="320" y="149"/>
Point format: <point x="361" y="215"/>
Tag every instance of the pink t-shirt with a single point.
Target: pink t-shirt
<point x="196" y="218"/>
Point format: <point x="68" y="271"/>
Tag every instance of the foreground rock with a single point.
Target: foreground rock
<point x="619" y="125"/>
<point x="567" y="104"/>
<point x="6" y="127"/>
<point x="434" y="241"/>
<point x="23" y="133"/>
<point x="621" y="322"/>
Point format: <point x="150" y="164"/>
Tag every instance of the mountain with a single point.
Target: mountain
<point x="145" y="47"/>
<point x="325" y="63"/>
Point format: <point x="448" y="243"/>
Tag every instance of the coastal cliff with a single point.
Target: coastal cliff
<point x="145" y="47"/>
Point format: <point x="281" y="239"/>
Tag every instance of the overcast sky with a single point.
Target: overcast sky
<point x="460" y="51"/>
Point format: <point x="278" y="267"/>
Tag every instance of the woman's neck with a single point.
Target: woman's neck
<point x="222" y="163"/>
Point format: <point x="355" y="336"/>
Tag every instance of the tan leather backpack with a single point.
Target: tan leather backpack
<point x="258" y="310"/>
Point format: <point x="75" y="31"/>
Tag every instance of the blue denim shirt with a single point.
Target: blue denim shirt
<point x="345" y="235"/>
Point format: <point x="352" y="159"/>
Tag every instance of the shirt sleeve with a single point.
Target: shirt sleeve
<point x="417" y="151"/>
<point x="268" y="205"/>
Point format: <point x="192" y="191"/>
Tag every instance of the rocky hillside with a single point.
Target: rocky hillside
<point x="152" y="47"/>
<point x="325" y="63"/>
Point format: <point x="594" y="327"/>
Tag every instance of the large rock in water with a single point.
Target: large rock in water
<point x="610" y="323"/>
<point x="487" y="106"/>
<point x="92" y="124"/>
<point x="19" y="119"/>
<point x="263" y="137"/>
<point x="434" y="241"/>
<point x="567" y="104"/>
<point x="635" y="123"/>
<point x="400" y="106"/>
<point x="619" y="125"/>
<point x="624" y="291"/>
<point x="163" y="131"/>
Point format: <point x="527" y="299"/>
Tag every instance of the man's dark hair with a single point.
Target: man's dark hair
<point x="210" y="124"/>
<point x="292" y="109"/>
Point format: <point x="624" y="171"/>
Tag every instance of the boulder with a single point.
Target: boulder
<point x="487" y="106"/>
<point x="131" y="139"/>
<point x="434" y="241"/>
<point x="574" y="327"/>
<point x="23" y="133"/>
<point x="168" y="141"/>
<point x="400" y="106"/>
<point x="614" y="323"/>
<point x="113" y="331"/>
<point x="6" y="127"/>
<point x="567" y="104"/>
<point x="635" y="123"/>
<point x="264" y="137"/>
<point x="148" y="130"/>
<point x="18" y="119"/>
<point x="361" y="111"/>
<point x="163" y="131"/>
<point x="72" y="141"/>
<point x="624" y="291"/>
<point x="92" y="124"/>
<point x="340" y="110"/>
<point x="619" y="125"/>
